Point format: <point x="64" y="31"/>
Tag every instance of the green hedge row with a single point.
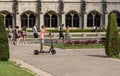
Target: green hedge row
<point x="74" y="30"/>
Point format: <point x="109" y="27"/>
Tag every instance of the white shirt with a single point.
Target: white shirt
<point x="34" y="29"/>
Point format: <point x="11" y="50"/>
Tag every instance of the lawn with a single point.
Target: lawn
<point x="75" y="46"/>
<point x="8" y="69"/>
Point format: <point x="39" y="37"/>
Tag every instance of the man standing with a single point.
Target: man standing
<point x="35" y="32"/>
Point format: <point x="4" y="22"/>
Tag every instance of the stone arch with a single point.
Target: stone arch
<point x="47" y="20"/>
<point x="51" y="19"/>
<point x="54" y="20"/>
<point x="8" y="18"/>
<point x="93" y="19"/>
<point x="28" y="19"/>
<point x="72" y="19"/>
<point x="24" y="20"/>
<point x="75" y="20"/>
<point x="68" y="20"/>
<point x="117" y="15"/>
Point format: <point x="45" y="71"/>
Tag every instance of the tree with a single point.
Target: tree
<point x="4" y="47"/>
<point x="112" y="37"/>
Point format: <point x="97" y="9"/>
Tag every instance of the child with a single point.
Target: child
<point x="42" y="33"/>
<point x="50" y="34"/>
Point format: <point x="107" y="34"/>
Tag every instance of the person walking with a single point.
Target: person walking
<point x="9" y="31"/>
<point x="24" y="34"/>
<point x="61" y="35"/>
<point x="15" y="35"/>
<point x="35" y="31"/>
<point x="67" y="35"/>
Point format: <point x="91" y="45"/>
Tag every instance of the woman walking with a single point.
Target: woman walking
<point x="67" y="35"/>
<point x="15" y="35"/>
<point x="9" y="31"/>
<point x="24" y="34"/>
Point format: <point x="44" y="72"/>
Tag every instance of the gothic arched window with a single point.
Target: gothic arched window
<point x="47" y="20"/>
<point x="28" y="20"/>
<point x="32" y="20"/>
<point x="54" y="21"/>
<point x="75" y="20"/>
<point x="69" y="20"/>
<point x="97" y="20"/>
<point x="90" y="20"/>
<point x="8" y="20"/>
<point x="24" y="20"/>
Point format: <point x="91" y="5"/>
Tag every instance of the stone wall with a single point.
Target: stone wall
<point x="54" y="5"/>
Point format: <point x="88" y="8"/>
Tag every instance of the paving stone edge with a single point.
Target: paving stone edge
<point x="35" y="70"/>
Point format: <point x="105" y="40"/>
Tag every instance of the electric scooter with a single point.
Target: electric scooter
<point x="51" y="50"/>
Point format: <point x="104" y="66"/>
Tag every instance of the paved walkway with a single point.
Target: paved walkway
<point x="78" y="62"/>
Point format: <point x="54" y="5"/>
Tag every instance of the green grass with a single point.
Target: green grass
<point x="75" y="46"/>
<point x="91" y="35"/>
<point x="8" y="69"/>
<point x="77" y="35"/>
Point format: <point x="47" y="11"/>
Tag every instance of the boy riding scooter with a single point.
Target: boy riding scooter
<point x="42" y="33"/>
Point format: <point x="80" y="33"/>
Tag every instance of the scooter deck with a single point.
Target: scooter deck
<point x="44" y="52"/>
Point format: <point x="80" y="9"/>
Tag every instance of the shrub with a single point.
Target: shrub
<point x="72" y="30"/>
<point x="4" y="47"/>
<point x="112" y="37"/>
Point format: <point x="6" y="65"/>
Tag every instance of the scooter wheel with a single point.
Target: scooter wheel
<point x="36" y="52"/>
<point x="53" y="52"/>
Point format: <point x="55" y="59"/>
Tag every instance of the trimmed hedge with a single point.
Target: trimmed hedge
<point x="73" y="30"/>
<point x="112" y="37"/>
<point x="4" y="47"/>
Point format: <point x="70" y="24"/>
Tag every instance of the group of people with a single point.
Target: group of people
<point x="43" y="31"/>
<point x="65" y="36"/>
<point x="14" y="34"/>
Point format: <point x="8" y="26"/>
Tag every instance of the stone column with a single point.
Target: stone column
<point x="13" y="20"/>
<point x="16" y="14"/>
<point x="63" y="19"/>
<point x="85" y="21"/>
<point x="50" y="20"/>
<point x="72" y="19"/>
<point x="41" y="19"/>
<point x="28" y="16"/>
<point x="80" y="22"/>
<point x="101" y="22"/>
<point x="18" y="21"/>
<point x="38" y="21"/>
<point x="4" y="19"/>
<point x="94" y="20"/>
<point x="106" y="20"/>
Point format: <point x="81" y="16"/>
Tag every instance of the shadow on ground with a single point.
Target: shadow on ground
<point x="100" y="56"/>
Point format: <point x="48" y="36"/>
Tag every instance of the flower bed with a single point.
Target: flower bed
<point x="84" y="42"/>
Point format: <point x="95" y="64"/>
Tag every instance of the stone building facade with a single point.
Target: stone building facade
<point x="83" y="14"/>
